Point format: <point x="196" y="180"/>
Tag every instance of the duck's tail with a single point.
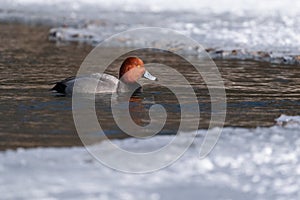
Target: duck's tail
<point x="59" y="87"/>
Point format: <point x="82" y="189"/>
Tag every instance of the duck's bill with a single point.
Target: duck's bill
<point x="149" y="76"/>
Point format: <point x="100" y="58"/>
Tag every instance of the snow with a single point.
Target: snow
<point x="288" y="120"/>
<point x="216" y="6"/>
<point x="267" y="25"/>
<point x="260" y="163"/>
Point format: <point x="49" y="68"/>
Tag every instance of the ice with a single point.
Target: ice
<point x="264" y="30"/>
<point x="285" y="120"/>
<point x="217" y="6"/>
<point x="259" y="163"/>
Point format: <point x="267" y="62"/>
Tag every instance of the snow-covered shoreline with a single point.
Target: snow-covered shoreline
<point x="265" y="30"/>
<point x="260" y="163"/>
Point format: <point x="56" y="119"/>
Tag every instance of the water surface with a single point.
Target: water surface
<point x="31" y="115"/>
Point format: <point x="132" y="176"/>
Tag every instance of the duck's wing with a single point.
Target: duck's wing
<point x="107" y="83"/>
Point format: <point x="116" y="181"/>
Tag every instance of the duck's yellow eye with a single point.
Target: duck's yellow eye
<point x="139" y="66"/>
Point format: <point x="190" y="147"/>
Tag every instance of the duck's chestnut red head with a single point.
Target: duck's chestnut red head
<point x="132" y="69"/>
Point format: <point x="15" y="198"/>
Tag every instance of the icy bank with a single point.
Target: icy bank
<point x="261" y="163"/>
<point x="262" y="30"/>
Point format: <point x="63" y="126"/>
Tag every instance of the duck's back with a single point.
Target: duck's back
<point x="94" y="83"/>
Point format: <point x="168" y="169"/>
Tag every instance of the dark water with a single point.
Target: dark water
<point x="256" y="92"/>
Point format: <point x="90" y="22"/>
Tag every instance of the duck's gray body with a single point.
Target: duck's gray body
<point x="94" y="84"/>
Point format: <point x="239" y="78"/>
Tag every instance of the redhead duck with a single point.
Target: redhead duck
<point x="132" y="69"/>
